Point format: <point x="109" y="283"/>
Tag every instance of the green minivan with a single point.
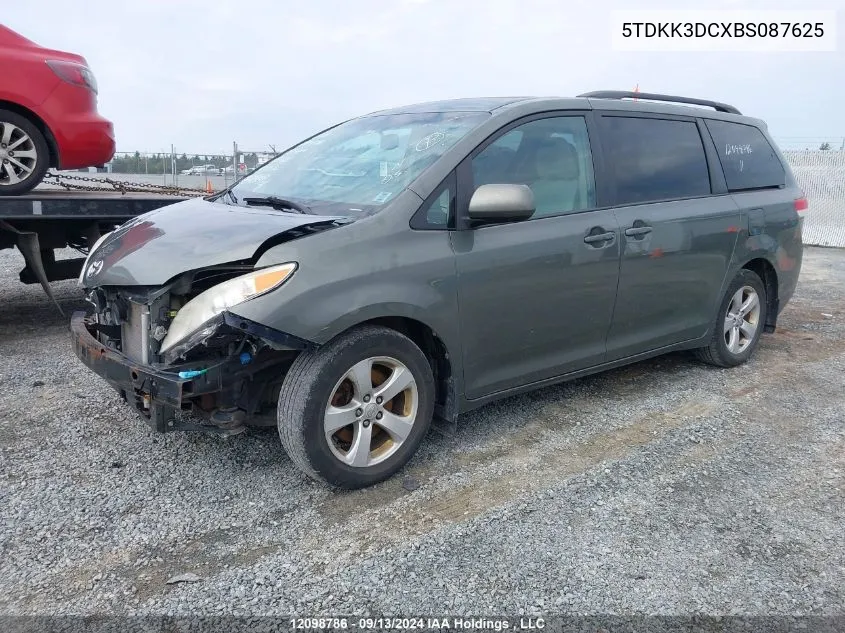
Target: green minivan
<point x="422" y="261"/>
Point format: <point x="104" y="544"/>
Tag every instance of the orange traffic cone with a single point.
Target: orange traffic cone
<point x="208" y="187"/>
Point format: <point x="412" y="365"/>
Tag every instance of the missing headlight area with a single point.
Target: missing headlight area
<point x="228" y="370"/>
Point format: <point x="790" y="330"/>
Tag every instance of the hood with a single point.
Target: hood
<point x="152" y="248"/>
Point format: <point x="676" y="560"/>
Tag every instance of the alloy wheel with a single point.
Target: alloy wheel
<point x="18" y="155"/>
<point x="742" y="319"/>
<point x="371" y="411"/>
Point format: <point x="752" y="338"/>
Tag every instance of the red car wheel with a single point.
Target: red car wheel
<point x="24" y="156"/>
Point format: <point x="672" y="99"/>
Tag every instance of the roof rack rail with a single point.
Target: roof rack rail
<point x="622" y="94"/>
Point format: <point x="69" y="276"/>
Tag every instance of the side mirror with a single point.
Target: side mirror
<point x="502" y="203"/>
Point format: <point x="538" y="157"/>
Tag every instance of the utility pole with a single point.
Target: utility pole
<point x="235" y="160"/>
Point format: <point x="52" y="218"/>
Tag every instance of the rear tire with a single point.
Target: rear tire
<point x="739" y="322"/>
<point x="354" y="411"/>
<point x="24" y="154"/>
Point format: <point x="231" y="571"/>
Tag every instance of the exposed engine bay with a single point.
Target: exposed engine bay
<point x="249" y="359"/>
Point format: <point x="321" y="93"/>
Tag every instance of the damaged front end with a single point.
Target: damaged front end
<point x="180" y="357"/>
<point x="161" y="330"/>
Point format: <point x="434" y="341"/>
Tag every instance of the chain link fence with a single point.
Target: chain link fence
<point x="163" y="172"/>
<point x="178" y="162"/>
<point x="821" y="174"/>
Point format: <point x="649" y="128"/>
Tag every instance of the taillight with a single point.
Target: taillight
<point x="801" y="204"/>
<point x="73" y="73"/>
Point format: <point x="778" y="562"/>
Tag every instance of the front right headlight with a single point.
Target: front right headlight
<point x="207" y="305"/>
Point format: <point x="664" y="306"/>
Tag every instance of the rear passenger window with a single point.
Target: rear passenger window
<point x="655" y="159"/>
<point x="747" y="157"/>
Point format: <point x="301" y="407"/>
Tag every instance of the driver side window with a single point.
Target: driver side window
<point x="552" y="156"/>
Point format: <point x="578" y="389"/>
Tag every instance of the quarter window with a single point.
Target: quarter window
<point x="654" y="159"/>
<point x="747" y="158"/>
<point x="437" y="213"/>
<point x="552" y="156"/>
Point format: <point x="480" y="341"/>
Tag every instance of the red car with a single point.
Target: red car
<point x="48" y="114"/>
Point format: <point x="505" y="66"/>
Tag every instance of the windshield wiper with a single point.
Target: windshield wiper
<point x="281" y="204"/>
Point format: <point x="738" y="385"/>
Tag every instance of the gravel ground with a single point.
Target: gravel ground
<point x="665" y="487"/>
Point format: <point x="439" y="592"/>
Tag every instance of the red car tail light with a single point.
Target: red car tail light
<point x="801" y="204"/>
<point x="73" y="73"/>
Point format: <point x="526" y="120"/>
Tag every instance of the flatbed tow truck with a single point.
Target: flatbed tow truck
<point x="76" y="216"/>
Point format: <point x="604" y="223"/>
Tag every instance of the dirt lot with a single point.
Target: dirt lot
<point x="665" y="487"/>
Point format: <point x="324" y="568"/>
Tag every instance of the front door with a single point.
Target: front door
<point x="536" y="297"/>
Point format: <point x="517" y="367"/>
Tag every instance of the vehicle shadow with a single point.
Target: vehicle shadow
<point x="519" y="423"/>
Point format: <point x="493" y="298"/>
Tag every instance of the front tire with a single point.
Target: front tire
<point x="739" y="322"/>
<point x="354" y="411"/>
<point x="24" y="155"/>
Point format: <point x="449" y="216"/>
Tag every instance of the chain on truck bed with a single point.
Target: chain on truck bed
<point x="108" y="184"/>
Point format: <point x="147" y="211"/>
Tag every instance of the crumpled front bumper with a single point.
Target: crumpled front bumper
<point x="156" y="392"/>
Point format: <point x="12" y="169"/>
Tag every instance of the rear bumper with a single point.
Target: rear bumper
<point x="83" y="137"/>
<point x="788" y="260"/>
<point x="156" y="393"/>
<point x="85" y="143"/>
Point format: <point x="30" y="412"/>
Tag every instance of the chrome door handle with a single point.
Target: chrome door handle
<point x="601" y="237"/>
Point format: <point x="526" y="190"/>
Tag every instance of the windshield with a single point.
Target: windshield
<point x="361" y="165"/>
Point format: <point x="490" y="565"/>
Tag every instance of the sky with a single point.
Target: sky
<point x="200" y="74"/>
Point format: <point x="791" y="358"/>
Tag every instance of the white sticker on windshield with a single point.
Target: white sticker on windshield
<point x="390" y="171"/>
<point x="382" y="197"/>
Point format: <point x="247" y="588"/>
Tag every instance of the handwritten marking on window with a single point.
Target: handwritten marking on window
<point x="737" y="149"/>
<point x="429" y="141"/>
